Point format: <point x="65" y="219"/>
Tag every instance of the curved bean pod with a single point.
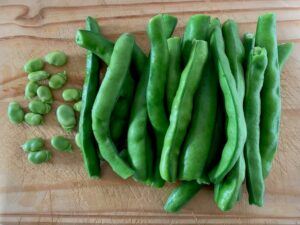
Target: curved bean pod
<point x="105" y="102"/>
<point x="270" y="94"/>
<point x="181" y="112"/>
<point x="236" y="127"/>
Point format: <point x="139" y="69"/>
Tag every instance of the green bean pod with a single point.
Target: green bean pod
<point x="236" y="127"/>
<point x="284" y="52"/>
<point x="270" y="94"/>
<point x="196" y="28"/>
<point x="181" y="112"/>
<point x="254" y="81"/>
<point x="174" y="70"/>
<point x="248" y="42"/>
<point x="33" y="145"/>
<point x="105" y="102"/>
<point x="227" y="192"/>
<point x="235" y="52"/>
<point x="87" y="142"/>
<point x="159" y="58"/>
<point x="181" y="195"/>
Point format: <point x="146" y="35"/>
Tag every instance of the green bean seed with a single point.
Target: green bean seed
<point x="58" y="80"/>
<point x="66" y="117"/>
<point x="38" y="75"/>
<point x="31" y="89"/>
<point x="77" y="140"/>
<point x="33" y="145"/>
<point x="15" y="112"/>
<point x="61" y="143"/>
<point x="37" y="106"/>
<point x="56" y="58"/>
<point x="39" y="157"/>
<point x="33" y="65"/>
<point x="44" y="94"/>
<point x="33" y="119"/>
<point x="77" y="106"/>
<point x="71" y="94"/>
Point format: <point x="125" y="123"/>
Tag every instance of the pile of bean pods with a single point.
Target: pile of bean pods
<point x="203" y="109"/>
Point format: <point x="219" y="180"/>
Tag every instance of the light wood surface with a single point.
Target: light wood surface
<point x="60" y="192"/>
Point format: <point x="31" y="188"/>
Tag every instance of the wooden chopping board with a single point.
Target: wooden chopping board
<point x="60" y="192"/>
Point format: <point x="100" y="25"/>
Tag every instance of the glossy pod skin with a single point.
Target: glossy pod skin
<point x="236" y="126"/>
<point x="33" y="145"/>
<point x="15" y="112"/>
<point x="71" y="94"/>
<point x="85" y="138"/>
<point x="44" y="94"/>
<point x="31" y="89"/>
<point x="56" y="58"/>
<point x="235" y="52"/>
<point x="197" y="144"/>
<point x="33" y="65"/>
<point x="181" y="112"/>
<point x="140" y="149"/>
<point x="196" y="28"/>
<point x="270" y="94"/>
<point x="284" y="52"/>
<point x="39" y="107"/>
<point x="174" y="70"/>
<point x="105" y="102"/>
<point x="58" y="80"/>
<point x="33" y="119"/>
<point x="39" y="156"/>
<point x="181" y="195"/>
<point x="61" y="143"/>
<point x="66" y="117"/>
<point x="254" y="81"/>
<point x="38" y="75"/>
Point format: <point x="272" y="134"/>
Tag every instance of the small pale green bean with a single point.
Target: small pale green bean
<point x="44" y="94"/>
<point x="33" y="119"/>
<point x="38" y="75"/>
<point x="39" y="156"/>
<point x="71" y="94"/>
<point x="15" y="112"/>
<point x="37" y="106"/>
<point x="56" y="58"/>
<point x="66" y="117"/>
<point x="77" y="106"/>
<point x="78" y="140"/>
<point x="31" y="89"/>
<point x="58" y="80"/>
<point x="33" y="145"/>
<point x="33" y="65"/>
<point x="61" y="143"/>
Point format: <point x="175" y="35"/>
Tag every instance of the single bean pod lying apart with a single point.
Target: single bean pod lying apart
<point x="236" y="127"/>
<point x="31" y="89"/>
<point x="71" y="94"/>
<point x="254" y="82"/>
<point x="39" y="156"/>
<point x="38" y="75"/>
<point x="58" y="80"/>
<point x="66" y="117"/>
<point x="33" y="119"/>
<point x="33" y="145"/>
<point x="34" y="65"/>
<point x="44" y="94"/>
<point x="105" y="102"/>
<point x="181" y="112"/>
<point x="39" y="107"/>
<point x="61" y="143"/>
<point x="182" y="195"/>
<point x="15" y="112"/>
<point x="56" y="58"/>
<point x="270" y="95"/>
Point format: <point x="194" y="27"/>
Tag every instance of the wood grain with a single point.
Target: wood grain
<point x="59" y="192"/>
